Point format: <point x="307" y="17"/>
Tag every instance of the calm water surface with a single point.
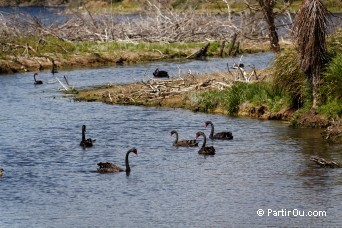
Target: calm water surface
<point x="49" y="180"/>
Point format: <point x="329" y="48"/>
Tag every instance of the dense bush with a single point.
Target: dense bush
<point x="331" y="88"/>
<point x="230" y="99"/>
<point x="289" y="78"/>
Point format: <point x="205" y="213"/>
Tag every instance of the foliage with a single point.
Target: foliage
<point x="334" y="43"/>
<point x="331" y="88"/>
<point x="230" y="99"/>
<point x="332" y="108"/>
<point x="289" y="79"/>
<point x="332" y="85"/>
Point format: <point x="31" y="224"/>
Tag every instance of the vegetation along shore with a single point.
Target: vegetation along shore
<point x="303" y="85"/>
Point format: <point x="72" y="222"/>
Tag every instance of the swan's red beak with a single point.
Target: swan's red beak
<point x="196" y="136"/>
<point x="138" y="154"/>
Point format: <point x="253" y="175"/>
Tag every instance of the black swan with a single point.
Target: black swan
<point x="108" y="167"/>
<point x="205" y="150"/>
<point x="86" y="142"/>
<point x="1" y="171"/>
<point x="183" y="142"/>
<point x="160" y="73"/>
<point x="222" y="135"/>
<point x="37" y="82"/>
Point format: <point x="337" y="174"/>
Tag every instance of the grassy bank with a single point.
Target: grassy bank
<point x="37" y="53"/>
<point x="211" y="93"/>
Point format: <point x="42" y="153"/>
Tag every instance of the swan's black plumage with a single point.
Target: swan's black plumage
<point x="160" y="73"/>
<point x="226" y="135"/>
<point x="205" y="150"/>
<point x="37" y="82"/>
<point x="184" y="142"/>
<point x="108" y="167"/>
<point x="86" y="142"/>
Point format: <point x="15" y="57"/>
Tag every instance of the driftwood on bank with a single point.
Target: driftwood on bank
<point x="200" y="54"/>
<point x="154" y="90"/>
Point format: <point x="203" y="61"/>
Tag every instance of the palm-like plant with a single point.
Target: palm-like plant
<point x="310" y="29"/>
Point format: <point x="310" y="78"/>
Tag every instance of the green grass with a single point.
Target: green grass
<point x="230" y="99"/>
<point x="289" y="79"/>
<point x="50" y="45"/>
<point x="331" y="108"/>
<point x="331" y="88"/>
<point x="171" y="49"/>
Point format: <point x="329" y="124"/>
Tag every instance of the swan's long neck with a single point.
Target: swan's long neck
<point x="83" y="134"/>
<point x="34" y="76"/>
<point x="128" y="169"/>
<point x="176" y="140"/>
<point x="204" y="140"/>
<point x="212" y="130"/>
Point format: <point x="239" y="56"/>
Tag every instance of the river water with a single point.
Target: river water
<point x="49" y="180"/>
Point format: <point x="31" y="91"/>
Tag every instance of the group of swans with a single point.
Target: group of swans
<point x="204" y="150"/>
<point x="108" y="167"/>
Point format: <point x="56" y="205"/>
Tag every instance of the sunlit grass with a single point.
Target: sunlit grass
<point x="230" y="99"/>
<point x="40" y="46"/>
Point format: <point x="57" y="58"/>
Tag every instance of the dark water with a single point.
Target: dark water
<point x="49" y="180"/>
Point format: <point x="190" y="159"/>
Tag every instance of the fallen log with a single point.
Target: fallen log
<point x="324" y="162"/>
<point x="200" y="54"/>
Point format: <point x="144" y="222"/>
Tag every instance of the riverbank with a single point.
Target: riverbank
<point x="191" y="92"/>
<point x="35" y="54"/>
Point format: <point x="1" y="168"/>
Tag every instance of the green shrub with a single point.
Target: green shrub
<point x="331" y="88"/>
<point x="230" y="99"/>
<point x="332" y="108"/>
<point x="206" y="101"/>
<point x="332" y="82"/>
<point x="289" y="79"/>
